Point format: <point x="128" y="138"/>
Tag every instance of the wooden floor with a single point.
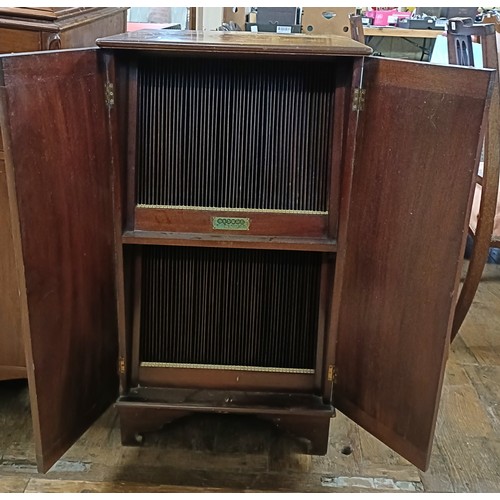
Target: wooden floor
<point x="222" y="453"/>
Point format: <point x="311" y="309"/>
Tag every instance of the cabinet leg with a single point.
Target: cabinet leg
<point x="314" y="429"/>
<point x="135" y="421"/>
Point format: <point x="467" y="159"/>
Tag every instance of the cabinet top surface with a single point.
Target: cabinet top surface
<point x="242" y="42"/>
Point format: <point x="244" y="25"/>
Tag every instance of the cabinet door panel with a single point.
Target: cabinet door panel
<point x="418" y="145"/>
<point x="56" y="137"/>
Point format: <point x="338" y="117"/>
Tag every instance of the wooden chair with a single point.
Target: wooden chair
<point x="357" y="32"/>
<point x="460" y="34"/>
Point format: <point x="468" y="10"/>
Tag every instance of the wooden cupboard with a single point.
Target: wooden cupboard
<point x="238" y="223"/>
<point x="24" y="29"/>
<point x="29" y="30"/>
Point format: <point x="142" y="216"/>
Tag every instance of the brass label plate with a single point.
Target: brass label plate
<point x="231" y="223"/>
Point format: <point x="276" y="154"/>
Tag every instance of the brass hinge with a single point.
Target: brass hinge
<point x="121" y="366"/>
<point x="109" y="94"/>
<point x="358" y="99"/>
<point x="331" y="373"/>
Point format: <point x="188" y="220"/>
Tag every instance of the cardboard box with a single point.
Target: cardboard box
<point x="236" y="15"/>
<point x="272" y="28"/>
<point x="279" y="16"/>
<point x="327" y="20"/>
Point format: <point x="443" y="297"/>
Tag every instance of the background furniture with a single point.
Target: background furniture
<point x="50" y="28"/>
<point x="401" y="32"/>
<point x="487" y="190"/>
<point x="27" y="30"/>
<point x="357" y="30"/>
<point x="423" y="39"/>
<point x="314" y="20"/>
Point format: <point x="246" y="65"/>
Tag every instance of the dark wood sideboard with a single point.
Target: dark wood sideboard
<point x="30" y="30"/>
<point x="238" y="223"/>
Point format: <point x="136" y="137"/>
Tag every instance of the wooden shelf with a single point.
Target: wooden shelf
<point x="401" y="32"/>
<point x="209" y="240"/>
<point x="196" y="400"/>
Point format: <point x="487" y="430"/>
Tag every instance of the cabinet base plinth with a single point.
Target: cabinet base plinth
<point x="309" y="421"/>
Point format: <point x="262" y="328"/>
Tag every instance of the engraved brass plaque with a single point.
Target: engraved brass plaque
<point x="231" y="223"/>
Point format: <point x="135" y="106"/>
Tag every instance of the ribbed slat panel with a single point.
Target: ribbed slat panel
<point x="234" y="134"/>
<point x="229" y="307"/>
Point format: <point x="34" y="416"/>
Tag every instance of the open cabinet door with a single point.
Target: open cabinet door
<point x="55" y="129"/>
<point x="417" y="147"/>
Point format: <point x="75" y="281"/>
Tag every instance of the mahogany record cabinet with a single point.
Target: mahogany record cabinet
<point x="238" y="223"/>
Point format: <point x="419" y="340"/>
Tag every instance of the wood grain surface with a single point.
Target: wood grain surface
<point x="239" y="42"/>
<point x="57" y="158"/>
<point x="12" y="359"/>
<point x="411" y="195"/>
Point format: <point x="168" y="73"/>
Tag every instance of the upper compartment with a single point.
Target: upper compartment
<point x="237" y="146"/>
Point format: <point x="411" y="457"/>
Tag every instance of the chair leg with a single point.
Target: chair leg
<point x="489" y="193"/>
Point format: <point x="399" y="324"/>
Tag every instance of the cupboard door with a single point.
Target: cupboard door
<point x="417" y="149"/>
<point x="54" y="121"/>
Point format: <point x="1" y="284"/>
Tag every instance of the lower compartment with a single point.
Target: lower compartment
<point x="229" y="318"/>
